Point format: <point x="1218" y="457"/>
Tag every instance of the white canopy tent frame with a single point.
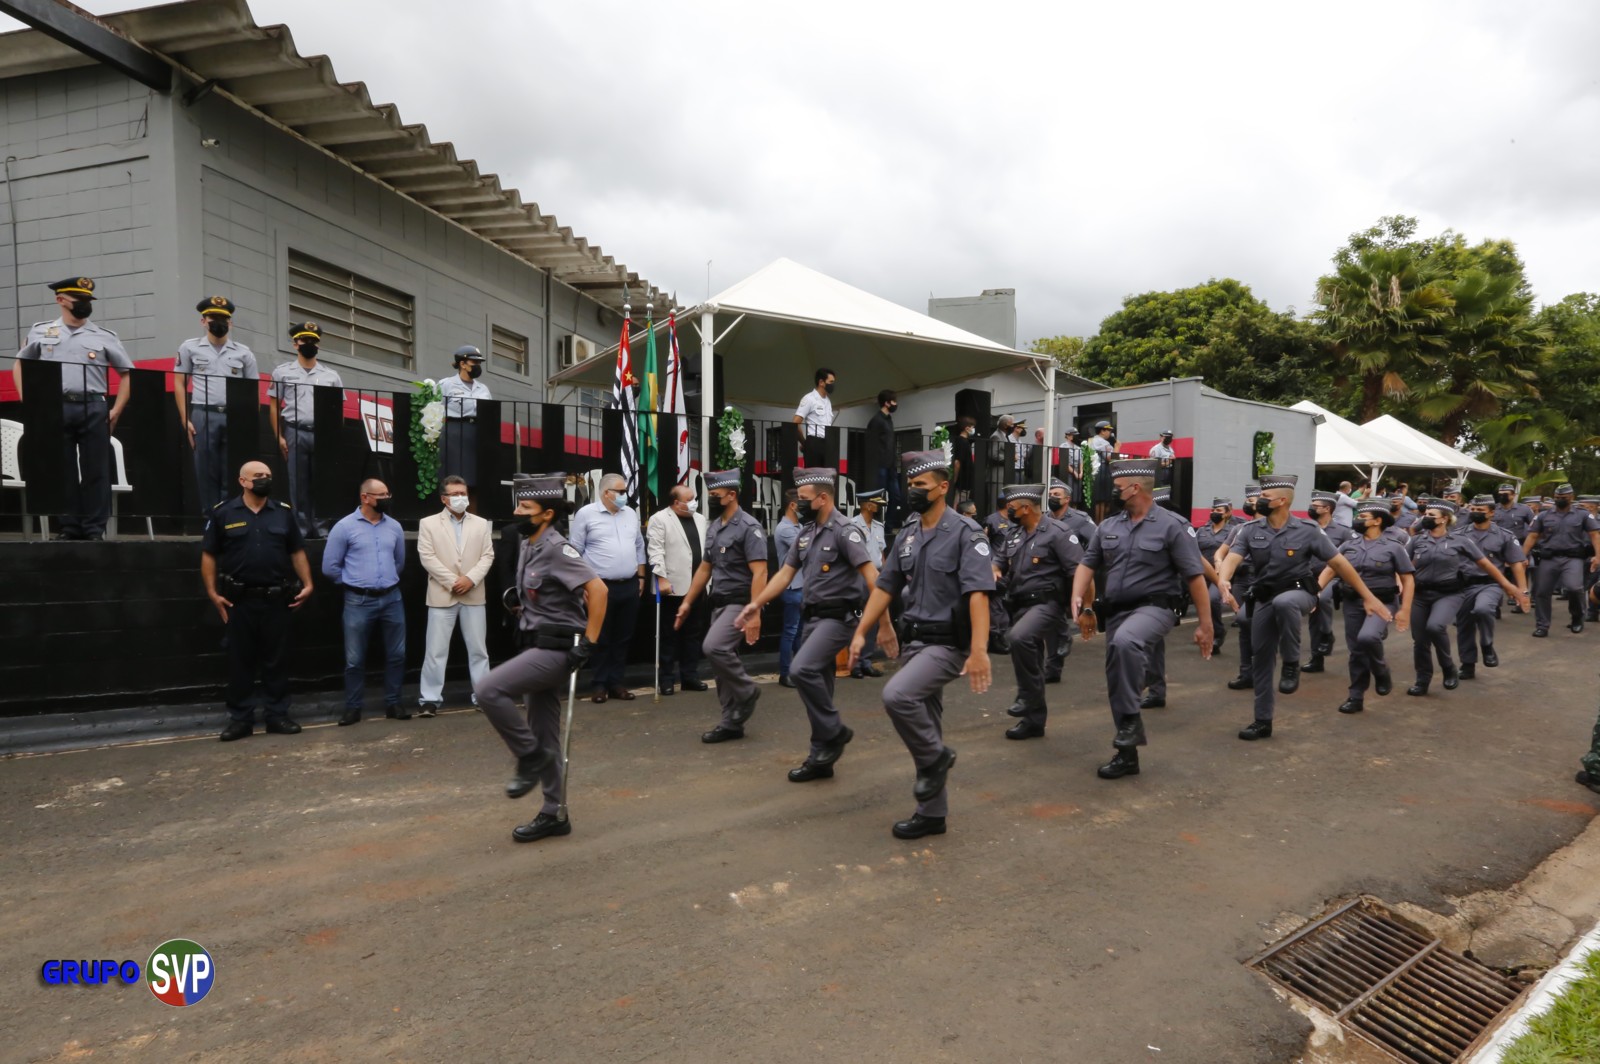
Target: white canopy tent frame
<point x="1446" y="457"/>
<point x="1343" y="442"/>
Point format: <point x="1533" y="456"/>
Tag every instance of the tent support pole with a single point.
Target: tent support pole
<point x="1049" y="423"/>
<point x="708" y="390"/>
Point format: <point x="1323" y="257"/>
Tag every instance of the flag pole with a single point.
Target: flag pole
<point x="656" y="579"/>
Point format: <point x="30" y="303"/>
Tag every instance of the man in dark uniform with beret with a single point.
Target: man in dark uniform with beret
<point x="294" y="387"/>
<point x="1040" y="560"/>
<point x="211" y="359"/>
<point x="84" y="350"/>
<point x="251" y="557"/>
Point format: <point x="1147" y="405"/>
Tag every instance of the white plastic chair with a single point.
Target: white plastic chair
<point x="11" y="471"/>
<point x="120" y="486"/>
<point x="847" y="497"/>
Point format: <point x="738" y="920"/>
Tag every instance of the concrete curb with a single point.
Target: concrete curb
<point x="1539" y="1000"/>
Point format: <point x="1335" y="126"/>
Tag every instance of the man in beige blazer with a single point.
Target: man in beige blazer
<point x="674" y="546"/>
<point x="456" y="549"/>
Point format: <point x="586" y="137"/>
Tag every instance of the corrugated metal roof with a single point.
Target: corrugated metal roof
<point x="259" y="67"/>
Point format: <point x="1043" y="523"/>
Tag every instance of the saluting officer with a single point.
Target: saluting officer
<point x="1041" y="559"/>
<point x="251" y="556"/>
<point x="1481" y="606"/>
<point x="839" y="573"/>
<point x="561" y="605"/>
<point x="458" y="443"/>
<point x="294" y="415"/>
<point x="1149" y="558"/>
<point x="1209" y="537"/>
<point x="1560" y="538"/>
<point x="735" y="567"/>
<point x="212" y="360"/>
<point x="939" y="568"/>
<point x="1285" y="551"/>
<point x="84" y="349"/>
<point x="1384" y="565"/>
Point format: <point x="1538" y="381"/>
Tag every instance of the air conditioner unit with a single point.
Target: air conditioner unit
<point x="574" y="349"/>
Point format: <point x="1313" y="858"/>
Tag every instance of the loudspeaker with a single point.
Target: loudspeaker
<point x="974" y="403"/>
<point x="693" y="388"/>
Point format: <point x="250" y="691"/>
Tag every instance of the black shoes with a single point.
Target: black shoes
<point x="237" y="729"/>
<point x="693" y="685"/>
<point x="351" y="716"/>
<point x="1314" y="665"/>
<point x="1576" y="626"/>
<point x="1019" y="708"/>
<point x="918" y="826"/>
<point x="1322" y="648"/>
<point x="833" y="749"/>
<point x="1289" y="679"/>
<point x="1591" y="782"/>
<point x="930" y="780"/>
<point x="866" y="670"/>
<point x="1452" y="678"/>
<point x="1417" y="690"/>
<point x="1351" y="705"/>
<point x="1124" y="763"/>
<point x="529" y="768"/>
<point x="666" y="689"/>
<point x="1241" y="682"/>
<point x="1023" y="729"/>
<point x="1152" y="702"/>
<point x="744" y="712"/>
<point x="1382" y="680"/>
<point x="429" y="709"/>
<point x="282" y="727"/>
<point x="1469" y="671"/>
<point x="542" y="826"/>
<point x="1490" y="658"/>
<point x="810" y="770"/>
<point x="719" y="734"/>
<point x="1540" y="633"/>
<point x="396" y="713"/>
<point x="784" y="681"/>
<point x="1131" y="732"/>
<point x="1258" y="729"/>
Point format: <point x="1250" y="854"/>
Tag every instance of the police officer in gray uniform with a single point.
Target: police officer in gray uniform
<point x="84" y="350"/>
<point x="212" y="360"/>
<point x="1149" y="558"/>
<point x="561" y="605"/>
<point x="1320" y="623"/>
<point x="940" y="568"/>
<point x="1042" y="557"/>
<point x="1480" y="607"/>
<point x="294" y="414"/>
<point x="735" y="567"/>
<point x="1081" y="525"/>
<point x="458" y="441"/>
<point x="1509" y="514"/>
<point x="1384" y="565"/>
<point x="1285" y="551"/>
<point x="1243" y="578"/>
<point x="838" y="570"/>
<point x="1209" y="537"/>
<point x="1559" y="539"/>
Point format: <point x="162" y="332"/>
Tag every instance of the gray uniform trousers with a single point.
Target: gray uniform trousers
<point x="1031" y="633"/>
<point x="1131" y="639"/>
<point x="1553" y="574"/>
<point x="721" y="646"/>
<point x="914" y="700"/>
<point x="86" y="466"/>
<point x="541" y="676"/>
<point x="812" y="673"/>
<point x="1364" y="634"/>
<point x="1156" y="677"/>
<point x="1320" y="623"/>
<point x="1432" y="614"/>
<point x="301" y="442"/>
<point x="1475" y="625"/>
<point x="211" y="478"/>
<point x="1214" y="593"/>
<point x="1274" y="631"/>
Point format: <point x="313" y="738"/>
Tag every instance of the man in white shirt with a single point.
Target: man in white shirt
<point x="606" y="534"/>
<point x="1344" y="506"/>
<point x="675" y="546"/>
<point x="1163" y="455"/>
<point x="813" y="417"/>
<point x="456" y="549"/>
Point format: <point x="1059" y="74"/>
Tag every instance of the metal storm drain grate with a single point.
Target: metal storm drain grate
<point x="1400" y="990"/>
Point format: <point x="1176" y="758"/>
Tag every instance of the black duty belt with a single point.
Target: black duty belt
<point x="1448" y="587"/>
<point x="1023" y="599"/>
<point x="1261" y="592"/>
<point x="1107" y="610"/>
<point x="307" y="425"/>
<point x="468" y="420"/>
<point x="370" y="592"/>
<point x="235" y="590"/>
<point x="215" y="408"/>
<point x="733" y="598"/>
<point x="80" y="397"/>
<point x="1481" y="581"/>
<point x="1385" y="595"/>
<point x="830" y="612"/>
<point x="550" y="637"/>
<point x="1551" y="552"/>
<point x="940" y="634"/>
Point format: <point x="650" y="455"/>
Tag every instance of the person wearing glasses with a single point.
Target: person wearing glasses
<point x="365" y="555"/>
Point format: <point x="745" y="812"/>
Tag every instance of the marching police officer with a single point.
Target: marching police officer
<point x="458" y="443"/>
<point x="837" y="565"/>
<point x="940" y="569"/>
<point x="1510" y="514"/>
<point x="1041" y="558"/>
<point x="251" y="556"/>
<point x="1081" y="525"/>
<point x="561" y="605"/>
<point x="1560" y="538"/>
<point x="1149" y="558"/>
<point x="212" y="360"/>
<point x="998" y="525"/>
<point x="1481" y="606"/>
<point x="1209" y="537"/>
<point x="735" y="568"/>
<point x="1284" y="550"/>
<point x="1384" y="565"/>
<point x="84" y="349"/>
<point x="1320" y="623"/>
<point x="294" y="385"/>
<point x="1244" y="576"/>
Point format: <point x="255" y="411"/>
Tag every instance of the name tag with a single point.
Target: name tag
<point x="236" y="524"/>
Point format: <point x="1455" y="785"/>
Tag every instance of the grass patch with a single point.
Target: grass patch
<point x="1570" y="1032"/>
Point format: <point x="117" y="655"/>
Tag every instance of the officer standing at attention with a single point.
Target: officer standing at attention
<point x="1481" y="606"/>
<point x="1100" y="476"/>
<point x="1149" y="558"/>
<point x="211" y="359"/>
<point x="813" y="417"/>
<point x="1163" y="455"/>
<point x="1384" y="564"/>
<point x="250" y="558"/>
<point x="1041" y="559"/>
<point x="735" y="567"/>
<point x="458" y="443"/>
<point x="84" y="349"/>
<point x="839" y="574"/>
<point x="1559" y="538"/>
<point x="1209" y="537"/>
<point x="561" y="605"/>
<point x="939" y="568"/>
<point x="869" y="521"/>
<point x="1284" y="550"/>
<point x="294" y="385"/>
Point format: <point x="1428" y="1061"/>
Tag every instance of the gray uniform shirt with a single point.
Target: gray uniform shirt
<point x="1154" y="556"/>
<point x="1379" y="562"/>
<point x="1208" y="537"/>
<point x="1246" y="571"/>
<point x="1281" y="556"/>
<point x="550" y="578"/>
<point x="730" y="548"/>
<point x="829" y="553"/>
<point x="83" y="352"/>
<point x="1514" y="519"/>
<point x="932" y="568"/>
<point x="1443" y="559"/>
<point x="461" y="397"/>
<point x="1050" y="554"/>
<point x="294" y="388"/>
<point x="1564" y="529"/>
<point x="874" y="534"/>
<point x="211" y="366"/>
<point x="1076" y="522"/>
<point x="1498" y="544"/>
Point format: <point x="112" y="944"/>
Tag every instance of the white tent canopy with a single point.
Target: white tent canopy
<point x="1391" y="428"/>
<point x="1341" y="442"/>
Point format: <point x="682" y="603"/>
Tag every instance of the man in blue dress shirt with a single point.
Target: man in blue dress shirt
<point x="365" y="555"/>
<point x="608" y="536"/>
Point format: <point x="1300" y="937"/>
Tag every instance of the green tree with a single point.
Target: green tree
<point x="1066" y="350"/>
<point x="1157" y="335"/>
<point x="1254" y="352"/>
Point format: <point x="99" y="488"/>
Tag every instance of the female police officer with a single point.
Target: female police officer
<point x="1385" y="567"/>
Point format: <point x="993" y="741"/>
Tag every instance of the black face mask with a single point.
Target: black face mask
<point x="1562" y="504"/>
<point x="828" y="387"/>
<point x="725" y="501"/>
<point x="381" y="505"/>
<point x="1427" y="524"/>
<point x="261" y="486"/>
<point x="918" y="500"/>
<point x="1056" y="504"/>
<point x="805" y="510"/>
<point x="217" y="327"/>
<point x="1011" y="514"/>
<point x="893" y="407"/>
<point x="1218" y="516"/>
<point x="1505" y="500"/>
<point x="475" y="371"/>
<point x="1263" y="507"/>
<point x="526" y="527"/>
<point x="308" y="350"/>
<point x="1479" y="517"/>
<point x="82" y="308"/>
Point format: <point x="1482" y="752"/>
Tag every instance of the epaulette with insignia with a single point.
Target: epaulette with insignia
<point x="221" y="504"/>
<point x="286" y="506"/>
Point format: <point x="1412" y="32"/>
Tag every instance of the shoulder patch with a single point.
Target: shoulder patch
<point x="1192" y="532"/>
<point x="570" y="551"/>
<point x="1074" y="538"/>
<point x="981" y="547"/>
<point x="855" y="537"/>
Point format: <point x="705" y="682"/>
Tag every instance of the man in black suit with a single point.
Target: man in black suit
<point x="883" y="458"/>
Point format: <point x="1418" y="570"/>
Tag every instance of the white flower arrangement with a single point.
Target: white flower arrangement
<point x="432" y="421"/>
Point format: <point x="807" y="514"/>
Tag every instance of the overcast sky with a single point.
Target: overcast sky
<point x="1076" y="153"/>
